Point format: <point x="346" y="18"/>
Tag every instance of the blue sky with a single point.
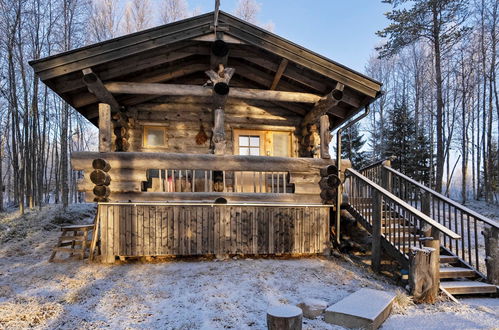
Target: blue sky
<point x="343" y="30"/>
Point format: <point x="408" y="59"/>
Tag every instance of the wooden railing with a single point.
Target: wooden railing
<point x="454" y="216"/>
<point x="203" y="177"/>
<point x="402" y="225"/>
<point x="201" y="180"/>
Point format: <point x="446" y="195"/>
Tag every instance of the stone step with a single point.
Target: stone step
<point x="467" y="287"/>
<point x="456" y="272"/>
<point x="448" y="259"/>
<point x="366" y="309"/>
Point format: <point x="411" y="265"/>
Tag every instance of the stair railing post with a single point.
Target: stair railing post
<point x="386" y="176"/>
<point x="377" y="208"/>
<point x="491" y="235"/>
<point x="434" y="264"/>
<point x="426" y="203"/>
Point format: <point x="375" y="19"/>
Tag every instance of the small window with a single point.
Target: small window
<point x="154" y="136"/>
<point x="249" y="145"/>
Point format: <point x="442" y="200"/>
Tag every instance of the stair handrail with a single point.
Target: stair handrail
<point x="444" y="230"/>
<point x="444" y="198"/>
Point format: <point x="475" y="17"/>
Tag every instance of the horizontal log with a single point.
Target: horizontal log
<point x="116" y="186"/>
<point x="230" y="197"/>
<point x="156" y="160"/>
<point x="307" y="188"/>
<point x="193" y="90"/>
<point x="300" y="177"/>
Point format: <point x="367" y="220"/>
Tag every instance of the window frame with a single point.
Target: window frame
<point x="266" y="140"/>
<point x="145" y="130"/>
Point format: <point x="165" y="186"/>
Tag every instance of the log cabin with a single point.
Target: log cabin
<point x="213" y="138"/>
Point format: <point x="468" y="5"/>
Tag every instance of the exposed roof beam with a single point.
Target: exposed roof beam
<point x="175" y="89"/>
<point x="324" y="105"/>
<point x="96" y="87"/>
<point x="279" y="72"/>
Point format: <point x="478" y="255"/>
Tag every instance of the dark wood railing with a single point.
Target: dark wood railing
<point x="454" y="216"/>
<point x="403" y="225"/>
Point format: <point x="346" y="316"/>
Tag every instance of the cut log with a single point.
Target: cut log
<point x="101" y="164"/>
<point x="100" y="178"/>
<point x="325" y="134"/>
<point x="328" y="195"/>
<point x="421" y="274"/>
<point x="284" y="317"/>
<point x="333" y="181"/>
<point x="102" y="191"/>
<point x="324" y="105"/>
<point x="328" y="170"/>
<point x="491" y="235"/>
<point x="96" y="87"/>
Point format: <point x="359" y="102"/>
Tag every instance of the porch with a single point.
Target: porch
<point x="166" y="204"/>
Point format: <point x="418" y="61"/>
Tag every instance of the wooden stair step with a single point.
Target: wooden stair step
<point x="448" y="259"/>
<point x="63" y="249"/>
<point x="396" y="229"/>
<point x="71" y="238"/>
<point x="456" y="272"/>
<point x="467" y="287"/>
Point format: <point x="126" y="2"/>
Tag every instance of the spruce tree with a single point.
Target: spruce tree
<point x="351" y="146"/>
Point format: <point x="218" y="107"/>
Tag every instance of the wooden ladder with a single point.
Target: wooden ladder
<point x="74" y="239"/>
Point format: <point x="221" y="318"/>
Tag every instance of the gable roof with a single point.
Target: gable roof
<point x="180" y="53"/>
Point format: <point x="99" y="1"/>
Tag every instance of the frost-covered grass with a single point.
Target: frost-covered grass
<point x="181" y="294"/>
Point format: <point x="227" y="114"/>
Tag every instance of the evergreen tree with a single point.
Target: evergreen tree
<point x="411" y="149"/>
<point x="351" y="146"/>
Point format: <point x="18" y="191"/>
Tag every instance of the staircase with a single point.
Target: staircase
<point x="403" y="212"/>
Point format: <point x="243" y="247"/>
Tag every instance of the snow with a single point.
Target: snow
<point x="286" y="311"/>
<point x="182" y="293"/>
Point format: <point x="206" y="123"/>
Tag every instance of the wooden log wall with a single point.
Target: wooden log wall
<point x="183" y="117"/>
<point x="177" y="230"/>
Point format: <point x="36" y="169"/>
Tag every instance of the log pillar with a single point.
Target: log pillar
<point x="284" y="317"/>
<point x="376" y="231"/>
<point x="325" y="136"/>
<point x="422" y="285"/>
<point x="105" y="128"/>
<point x="220" y="81"/>
<point x="491" y="235"/>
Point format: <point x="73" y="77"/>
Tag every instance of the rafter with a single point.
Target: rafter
<point x="278" y="74"/>
<point x="324" y="105"/>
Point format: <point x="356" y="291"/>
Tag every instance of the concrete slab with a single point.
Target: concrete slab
<point x="364" y="309"/>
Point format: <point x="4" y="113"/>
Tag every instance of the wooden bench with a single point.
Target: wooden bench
<point x="73" y="240"/>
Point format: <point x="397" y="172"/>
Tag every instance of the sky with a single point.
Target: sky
<point x="342" y="30"/>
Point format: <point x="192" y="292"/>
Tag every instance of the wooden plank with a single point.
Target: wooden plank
<point x="105" y="128"/>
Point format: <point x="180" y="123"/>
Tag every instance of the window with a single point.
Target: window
<point x="262" y="143"/>
<point x="154" y="136"/>
<point x="249" y="145"/>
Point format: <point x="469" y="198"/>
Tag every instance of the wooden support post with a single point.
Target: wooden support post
<point x="426" y="203"/>
<point x="219" y="141"/>
<point x="491" y="235"/>
<point x="325" y="136"/>
<point x="105" y="128"/>
<point x="279" y="73"/>
<point x="377" y="209"/>
<point x="386" y="176"/>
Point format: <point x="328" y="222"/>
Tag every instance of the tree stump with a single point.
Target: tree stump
<point x="491" y="236"/>
<point x="421" y="274"/>
<point x="284" y="317"/>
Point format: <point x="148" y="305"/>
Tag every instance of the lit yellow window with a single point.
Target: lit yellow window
<point x="154" y="136"/>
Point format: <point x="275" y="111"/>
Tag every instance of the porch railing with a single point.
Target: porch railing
<point x="145" y="176"/>
<point x="454" y="216"/>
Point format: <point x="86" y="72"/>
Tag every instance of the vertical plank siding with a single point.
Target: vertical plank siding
<point x="162" y="230"/>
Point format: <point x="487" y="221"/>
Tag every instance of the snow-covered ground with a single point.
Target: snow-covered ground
<point x="183" y="294"/>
